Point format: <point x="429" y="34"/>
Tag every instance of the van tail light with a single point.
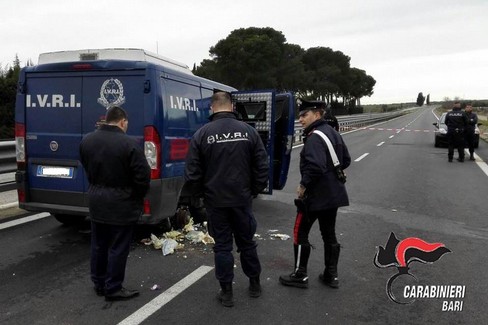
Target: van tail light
<point x="152" y="150"/>
<point x="21" y="195"/>
<point x="20" y="154"/>
<point x="147" y="206"/>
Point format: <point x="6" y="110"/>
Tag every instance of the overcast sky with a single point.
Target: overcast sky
<point x="438" y="47"/>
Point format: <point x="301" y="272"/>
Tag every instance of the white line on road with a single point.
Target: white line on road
<point x="392" y="136"/>
<point x="360" y="158"/>
<point x="380" y="144"/>
<point x="481" y="164"/>
<point x="17" y="222"/>
<point x="154" y="305"/>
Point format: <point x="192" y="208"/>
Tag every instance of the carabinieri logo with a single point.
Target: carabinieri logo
<point x="401" y="253"/>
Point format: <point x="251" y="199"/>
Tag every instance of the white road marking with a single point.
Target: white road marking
<point x="392" y="136"/>
<point x="17" y="222"/>
<point x="380" y="144"/>
<point x="154" y="305"/>
<point x="481" y="164"/>
<point x="360" y="158"/>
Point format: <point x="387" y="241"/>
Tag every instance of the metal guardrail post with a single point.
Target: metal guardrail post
<point x="7" y="157"/>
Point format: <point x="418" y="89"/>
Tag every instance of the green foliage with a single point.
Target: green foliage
<point x="253" y="58"/>
<point x="8" y="88"/>
<point x="420" y="99"/>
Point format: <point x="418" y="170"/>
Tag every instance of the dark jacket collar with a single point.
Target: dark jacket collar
<point x="313" y="126"/>
<point x="219" y="115"/>
<point x="110" y="128"/>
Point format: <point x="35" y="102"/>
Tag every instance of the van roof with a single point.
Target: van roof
<point x="127" y="54"/>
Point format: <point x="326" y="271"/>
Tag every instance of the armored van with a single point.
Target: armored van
<point x="66" y="96"/>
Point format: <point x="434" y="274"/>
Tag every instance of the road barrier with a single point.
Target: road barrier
<point x="352" y="122"/>
<point x="346" y="123"/>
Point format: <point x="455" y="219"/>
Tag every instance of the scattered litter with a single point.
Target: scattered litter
<point x="189" y="226"/>
<point x="394" y="210"/>
<point x="155" y="287"/>
<point x="157" y="243"/>
<point x="207" y="239"/>
<point x="169" y="246"/>
<point x="273" y="230"/>
<point x="280" y="236"/>
<point x="174" y="234"/>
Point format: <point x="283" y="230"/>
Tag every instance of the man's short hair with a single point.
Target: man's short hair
<point x="116" y="114"/>
<point x="221" y="98"/>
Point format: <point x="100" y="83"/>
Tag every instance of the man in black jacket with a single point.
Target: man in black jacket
<point x="321" y="193"/>
<point x="118" y="176"/>
<point x="228" y="161"/>
<point x="470" y="129"/>
<point x="456" y="121"/>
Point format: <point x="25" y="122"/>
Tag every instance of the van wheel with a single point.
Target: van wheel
<point x="69" y="220"/>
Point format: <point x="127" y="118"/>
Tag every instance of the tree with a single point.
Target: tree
<point x="420" y="99"/>
<point x="8" y="90"/>
<point x="247" y="59"/>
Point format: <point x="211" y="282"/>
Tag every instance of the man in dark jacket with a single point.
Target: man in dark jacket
<point x="456" y="121"/>
<point x="228" y="161"/>
<point x="470" y="129"/>
<point x="321" y="193"/>
<point x="118" y="176"/>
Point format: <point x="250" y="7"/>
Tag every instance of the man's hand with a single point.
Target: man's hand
<point x="301" y="191"/>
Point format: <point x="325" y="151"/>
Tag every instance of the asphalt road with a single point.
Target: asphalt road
<point x="398" y="182"/>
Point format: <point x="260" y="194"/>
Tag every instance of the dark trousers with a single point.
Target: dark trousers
<point x="456" y="140"/>
<point x="470" y="141"/>
<point x="223" y="225"/>
<point x="110" y="246"/>
<point x="305" y="221"/>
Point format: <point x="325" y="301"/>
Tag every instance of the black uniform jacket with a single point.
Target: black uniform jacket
<point x="472" y="121"/>
<point x="118" y="174"/>
<point x="228" y="160"/>
<point x="456" y="119"/>
<point x="323" y="188"/>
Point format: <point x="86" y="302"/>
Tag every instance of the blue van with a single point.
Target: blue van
<point x="66" y="96"/>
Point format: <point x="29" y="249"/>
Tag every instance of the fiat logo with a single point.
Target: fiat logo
<point x="54" y="146"/>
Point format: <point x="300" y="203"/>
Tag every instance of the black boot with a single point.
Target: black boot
<point x="254" y="287"/>
<point x="331" y="257"/>
<point x="225" y="295"/>
<point x="299" y="277"/>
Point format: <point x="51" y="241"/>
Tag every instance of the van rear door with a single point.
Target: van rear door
<point x="272" y="116"/>
<point x="60" y="109"/>
<point x="53" y="119"/>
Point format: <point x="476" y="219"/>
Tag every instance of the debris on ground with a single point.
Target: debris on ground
<point x="280" y="236"/>
<point x="173" y="240"/>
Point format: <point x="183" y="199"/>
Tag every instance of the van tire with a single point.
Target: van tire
<point x="69" y="220"/>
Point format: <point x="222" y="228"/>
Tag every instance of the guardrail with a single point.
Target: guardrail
<point x="7" y="157"/>
<point x="346" y="123"/>
<point x="351" y="122"/>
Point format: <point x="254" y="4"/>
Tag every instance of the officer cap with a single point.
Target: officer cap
<point x="306" y="105"/>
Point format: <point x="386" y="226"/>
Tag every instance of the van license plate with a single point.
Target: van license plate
<point x="52" y="171"/>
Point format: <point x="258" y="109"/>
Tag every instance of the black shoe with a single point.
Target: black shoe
<point x="122" y="294"/>
<point x="99" y="291"/>
<point x="298" y="280"/>
<point x="472" y="158"/>
<point x="450" y="160"/>
<point x="331" y="281"/>
<point x="254" y="288"/>
<point x="225" y="295"/>
<point x="460" y="159"/>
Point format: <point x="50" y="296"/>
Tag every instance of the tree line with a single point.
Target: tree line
<point x="8" y="88"/>
<point x="252" y="58"/>
<point x="257" y="58"/>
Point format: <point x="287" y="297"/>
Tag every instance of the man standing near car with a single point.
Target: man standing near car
<point x="118" y="176"/>
<point x="456" y="121"/>
<point x="228" y="160"/>
<point x="470" y="129"/>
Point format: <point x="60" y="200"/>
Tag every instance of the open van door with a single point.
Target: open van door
<point x="273" y="117"/>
